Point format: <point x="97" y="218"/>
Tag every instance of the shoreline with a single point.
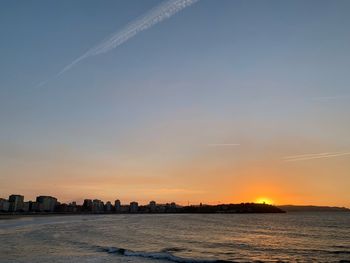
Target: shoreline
<point x="7" y="216"/>
<point x="16" y="216"/>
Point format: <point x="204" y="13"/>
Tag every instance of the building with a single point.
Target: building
<point x="134" y="207"/>
<point x="72" y="207"/>
<point x="87" y="205"/>
<point x="108" y="207"/>
<point x="152" y="206"/>
<point x="35" y="207"/>
<point x="97" y="206"/>
<point x="117" y="206"/>
<point x="124" y="208"/>
<point x="16" y="203"/>
<point x="62" y="208"/>
<point x="4" y="205"/>
<point x="25" y="207"/>
<point x="171" y="208"/>
<point x="46" y="203"/>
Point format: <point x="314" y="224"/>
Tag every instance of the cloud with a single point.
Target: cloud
<point x="154" y="16"/>
<point x="304" y="157"/>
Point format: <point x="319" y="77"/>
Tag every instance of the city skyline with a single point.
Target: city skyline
<point x="16" y="205"/>
<point x="186" y="101"/>
<point x="142" y="202"/>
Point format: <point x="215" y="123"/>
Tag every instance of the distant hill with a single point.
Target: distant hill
<point x="232" y="208"/>
<point x="312" y="208"/>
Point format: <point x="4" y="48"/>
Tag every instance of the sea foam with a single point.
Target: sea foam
<point x="162" y="256"/>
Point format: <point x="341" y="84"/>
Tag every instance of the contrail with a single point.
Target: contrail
<point x="311" y="156"/>
<point x="154" y="16"/>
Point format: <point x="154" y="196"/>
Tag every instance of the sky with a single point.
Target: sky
<point x="211" y="101"/>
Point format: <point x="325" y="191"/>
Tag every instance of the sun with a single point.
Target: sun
<point x="263" y="200"/>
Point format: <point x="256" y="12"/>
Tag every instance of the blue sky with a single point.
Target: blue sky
<point x="273" y="74"/>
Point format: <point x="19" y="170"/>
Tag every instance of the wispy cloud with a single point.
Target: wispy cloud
<point x="154" y="16"/>
<point x="304" y="157"/>
<point x="223" y="144"/>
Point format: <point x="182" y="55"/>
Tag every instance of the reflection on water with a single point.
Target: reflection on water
<point x="322" y="237"/>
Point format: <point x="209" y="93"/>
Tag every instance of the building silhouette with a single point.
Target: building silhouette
<point x="87" y="205"/>
<point x="108" y="206"/>
<point x="16" y="203"/>
<point x="117" y="206"/>
<point x="152" y="206"/>
<point x="97" y="206"/>
<point x="4" y="205"/>
<point x="134" y="207"/>
<point x="46" y="203"/>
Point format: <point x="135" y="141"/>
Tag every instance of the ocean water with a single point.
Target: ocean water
<point x="290" y="237"/>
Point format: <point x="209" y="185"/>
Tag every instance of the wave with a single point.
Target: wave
<point x="167" y="255"/>
<point x="161" y="256"/>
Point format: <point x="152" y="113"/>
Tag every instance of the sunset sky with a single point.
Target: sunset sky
<point x="221" y="101"/>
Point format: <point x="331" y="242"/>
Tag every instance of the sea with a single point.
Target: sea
<point x="187" y="238"/>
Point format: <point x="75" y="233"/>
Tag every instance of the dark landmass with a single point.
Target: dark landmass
<point x="232" y="208"/>
<point x="312" y="208"/>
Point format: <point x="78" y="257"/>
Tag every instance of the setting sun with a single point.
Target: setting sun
<point x="264" y="200"/>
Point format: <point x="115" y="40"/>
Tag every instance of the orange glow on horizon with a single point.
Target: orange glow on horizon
<point x="264" y="200"/>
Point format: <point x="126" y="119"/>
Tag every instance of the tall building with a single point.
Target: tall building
<point x="134" y="207"/>
<point x="4" y="205"/>
<point x="16" y="203"/>
<point x="47" y="203"/>
<point x="117" y="206"/>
